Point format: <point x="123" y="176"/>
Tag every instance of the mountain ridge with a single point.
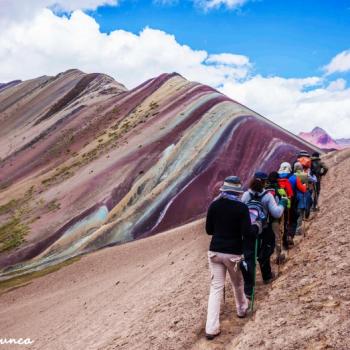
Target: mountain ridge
<point x="108" y="165"/>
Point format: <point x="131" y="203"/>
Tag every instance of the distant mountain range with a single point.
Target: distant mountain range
<point x="323" y="140"/>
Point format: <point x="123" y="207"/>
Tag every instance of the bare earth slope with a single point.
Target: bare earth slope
<point x="152" y="293"/>
<point x="309" y="305"/>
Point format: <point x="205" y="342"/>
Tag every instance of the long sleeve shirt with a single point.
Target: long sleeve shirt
<point x="267" y="200"/>
<point x="228" y="221"/>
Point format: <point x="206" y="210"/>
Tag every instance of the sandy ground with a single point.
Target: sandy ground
<point x="152" y="293"/>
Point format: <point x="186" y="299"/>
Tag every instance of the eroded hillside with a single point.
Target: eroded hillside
<point x="86" y="163"/>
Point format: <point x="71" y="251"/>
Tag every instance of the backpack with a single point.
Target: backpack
<point x="257" y="211"/>
<point x="284" y="183"/>
<point x="317" y="168"/>
<point x="283" y="194"/>
<point x="305" y="162"/>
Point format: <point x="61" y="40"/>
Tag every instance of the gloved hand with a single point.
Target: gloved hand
<point x="284" y="202"/>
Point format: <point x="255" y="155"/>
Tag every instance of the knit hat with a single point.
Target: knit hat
<point x="285" y="168"/>
<point x="232" y="184"/>
<point x="261" y="175"/>
<point x="303" y="154"/>
<point x="273" y="177"/>
<point x="298" y="167"/>
<point x="315" y="156"/>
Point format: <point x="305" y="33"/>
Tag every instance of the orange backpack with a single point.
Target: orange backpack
<point x="305" y="162"/>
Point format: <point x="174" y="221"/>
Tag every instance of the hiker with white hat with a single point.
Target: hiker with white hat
<point x="284" y="173"/>
<point x="228" y="222"/>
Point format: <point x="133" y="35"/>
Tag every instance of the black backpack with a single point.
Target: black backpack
<point x="317" y="168"/>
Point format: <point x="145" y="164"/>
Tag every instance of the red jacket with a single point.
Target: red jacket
<point x="300" y="186"/>
<point x="284" y="183"/>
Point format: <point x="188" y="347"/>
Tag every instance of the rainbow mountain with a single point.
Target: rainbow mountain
<point x="86" y="163"/>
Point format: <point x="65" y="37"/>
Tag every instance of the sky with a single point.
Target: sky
<point x="288" y="60"/>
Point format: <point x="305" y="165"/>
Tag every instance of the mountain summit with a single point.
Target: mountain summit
<point x="320" y="138"/>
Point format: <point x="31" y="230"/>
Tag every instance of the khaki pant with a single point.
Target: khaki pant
<point x="219" y="263"/>
<point x="278" y="238"/>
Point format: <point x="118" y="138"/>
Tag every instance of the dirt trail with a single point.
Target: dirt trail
<point x="309" y="305"/>
<point x="152" y="293"/>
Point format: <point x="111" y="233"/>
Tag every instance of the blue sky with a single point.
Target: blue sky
<point x="281" y="37"/>
<point x="287" y="60"/>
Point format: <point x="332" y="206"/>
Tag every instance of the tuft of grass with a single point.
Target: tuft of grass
<point x="21" y="281"/>
<point x="115" y="110"/>
<point x="12" y="233"/>
<point x="53" y="205"/>
<point x="59" y="175"/>
<point x="153" y="105"/>
<point x="8" y="207"/>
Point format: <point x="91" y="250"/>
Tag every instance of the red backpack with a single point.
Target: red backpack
<point x="286" y="185"/>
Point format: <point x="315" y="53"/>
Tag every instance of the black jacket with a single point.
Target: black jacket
<point x="318" y="168"/>
<point x="228" y="221"/>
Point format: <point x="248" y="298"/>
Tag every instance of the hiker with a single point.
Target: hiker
<point x="319" y="169"/>
<point x="277" y="192"/>
<point x="290" y="214"/>
<point x="228" y="222"/>
<point x="302" y="195"/>
<point x="266" y="241"/>
<point x="298" y="181"/>
<point x="304" y="159"/>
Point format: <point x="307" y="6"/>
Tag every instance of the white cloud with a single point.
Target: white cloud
<point x="208" y="4"/>
<point x="166" y="2"/>
<point x="340" y="63"/>
<point x="211" y="4"/>
<point x="296" y="104"/>
<point x="229" y="59"/>
<point x="337" y="85"/>
<point x="25" y="10"/>
<point x="49" y="44"/>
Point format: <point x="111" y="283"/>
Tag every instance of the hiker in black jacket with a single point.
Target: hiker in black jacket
<point x="228" y="222"/>
<point x="319" y="169"/>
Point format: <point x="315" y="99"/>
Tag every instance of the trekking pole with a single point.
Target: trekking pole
<point x="281" y="232"/>
<point x="287" y="225"/>
<point x="255" y="259"/>
<point x="315" y="197"/>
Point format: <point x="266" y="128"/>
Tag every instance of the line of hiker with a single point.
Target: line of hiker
<point x="249" y="226"/>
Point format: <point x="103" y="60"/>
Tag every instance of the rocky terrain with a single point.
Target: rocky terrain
<point x="86" y="163"/>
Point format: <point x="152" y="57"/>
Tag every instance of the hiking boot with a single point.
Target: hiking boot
<point x="290" y="241"/>
<point x="280" y="259"/>
<point x="211" y="336"/>
<point x="271" y="279"/>
<point x="299" y="232"/>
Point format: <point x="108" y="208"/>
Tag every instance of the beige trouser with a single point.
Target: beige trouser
<point x="218" y="264"/>
<point x="278" y="239"/>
